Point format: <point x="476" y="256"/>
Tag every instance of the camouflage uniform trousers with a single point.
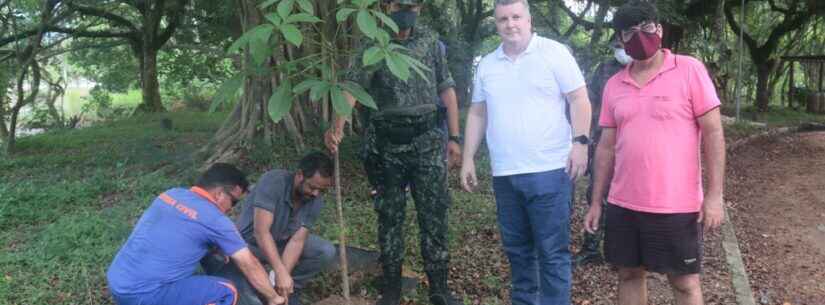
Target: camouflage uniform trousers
<point x="420" y="164"/>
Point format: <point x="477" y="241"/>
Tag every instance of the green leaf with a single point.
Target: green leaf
<point x="360" y="94"/>
<point x="306" y="85"/>
<point x="274" y="18"/>
<point x="259" y="46"/>
<point x="306" y="6"/>
<point x="372" y="56"/>
<point x="398" y="66"/>
<point x="339" y="103"/>
<point x="292" y="34"/>
<point x="383" y="38"/>
<point x="259" y="50"/>
<point x="366" y="3"/>
<point x="343" y="13"/>
<point x="285" y="7"/>
<point x="317" y="92"/>
<point x="326" y="72"/>
<point x="366" y="23"/>
<point x="394" y="46"/>
<point x="267" y="3"/>
<point x="228" y="91"/>
<point x="261" y="32"/>
<point x="280" y="102"/>
<point x="302" y="17"/>
<point x="387" y="21"/>
<point x="236" y="46"/>
<point x="417" y="66"/>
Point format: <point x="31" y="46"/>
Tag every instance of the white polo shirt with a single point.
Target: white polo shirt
<point x="527" y="130"/>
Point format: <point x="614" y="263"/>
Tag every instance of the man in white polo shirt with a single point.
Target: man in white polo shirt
<point x="520" y="93"/>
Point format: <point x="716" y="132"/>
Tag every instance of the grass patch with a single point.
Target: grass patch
<point x="71" y="197"/>
<point x="76" y="98"/>
<point x="776" y="116"/>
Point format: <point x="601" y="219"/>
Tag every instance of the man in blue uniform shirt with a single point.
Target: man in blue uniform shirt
<point x="157" y="263"/>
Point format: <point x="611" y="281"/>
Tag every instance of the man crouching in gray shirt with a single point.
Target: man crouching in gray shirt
<point x="275" y="221"/>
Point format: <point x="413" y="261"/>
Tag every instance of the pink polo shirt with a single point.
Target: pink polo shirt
<point x="657" y="165"/>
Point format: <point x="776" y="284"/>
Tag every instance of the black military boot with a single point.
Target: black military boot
<point x="391" y="288"/>
<point x="589" y="254"/>
<point x="439" y="292"/>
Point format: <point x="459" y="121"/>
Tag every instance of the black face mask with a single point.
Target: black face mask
<point x="405" y="19"/>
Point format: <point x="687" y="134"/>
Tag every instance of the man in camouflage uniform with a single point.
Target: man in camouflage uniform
<point x="590" y="252"/>
<point x="404" y="146"/>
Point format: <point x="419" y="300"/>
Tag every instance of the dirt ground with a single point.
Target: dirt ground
<point x="775" y="189"/>
<point x="596" y="284"/>
<point x="592" y="284"/>
<point x="777" y="192"/>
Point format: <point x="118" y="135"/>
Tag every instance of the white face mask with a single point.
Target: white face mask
<point x="621" y="56"/>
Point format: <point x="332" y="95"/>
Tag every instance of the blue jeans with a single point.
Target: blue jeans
<point x="196" y="289"/>
<point x="534" y="218"/>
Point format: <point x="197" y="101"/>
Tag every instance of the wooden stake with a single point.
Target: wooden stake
<point x="342" y="236"/>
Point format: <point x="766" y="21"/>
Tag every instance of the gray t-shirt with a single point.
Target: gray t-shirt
<point x="273" y="193"/>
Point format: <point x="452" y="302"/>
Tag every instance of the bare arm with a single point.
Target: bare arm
<point x="580" y="112"/>
<point x="603" y="173"/>
<point x="451" y="102"/>
<point x="604" y="160"/>
<point x="294" y="247"/>
<point x="580" y="115"/>
<point x="474" y="131"/>
<point x="255" y="274"/>
<point x="261" y="224"/>
<point x="473" y="134"/>
<point x="334" y="135"/>
<point x="453" y="148"/>
<point x="713" y="148"/>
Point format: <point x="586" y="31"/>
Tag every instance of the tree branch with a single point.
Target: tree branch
<point x="788" y="24"/>
<point x="115" y="19"/>
<point x="200" y="47"/>
<point x="577" y="19"/>
<point x="776" y="8"/>
<point x="58" y="52"/>
<point x="749" y="41"/>
<point x="175" y="17"/>
<point x="91" y="34"/>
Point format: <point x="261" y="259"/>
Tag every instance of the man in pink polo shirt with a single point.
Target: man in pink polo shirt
<point x="655" y="114"/>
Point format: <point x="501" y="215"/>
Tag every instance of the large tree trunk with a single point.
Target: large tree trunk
<point x="153" y="37"/>
<point x="4" y="132"/>
<point x="764" y="70"/>
<point x="22" y="99"/>
<point x="56" y="91"/>
<point x="249" y="118"/>
<point x="716" y="67"/>
<point x="149" y="81"/>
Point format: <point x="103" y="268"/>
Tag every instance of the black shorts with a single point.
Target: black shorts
<point x="664" y="243"/>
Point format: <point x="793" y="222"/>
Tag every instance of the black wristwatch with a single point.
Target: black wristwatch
<point x="582" y="139"/>
<point x="457" y="139"/>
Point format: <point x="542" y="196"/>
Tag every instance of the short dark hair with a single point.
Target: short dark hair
<point x="222" y="175"/>
<point x="634" y="13"/>
<point x="316" y="162"/>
